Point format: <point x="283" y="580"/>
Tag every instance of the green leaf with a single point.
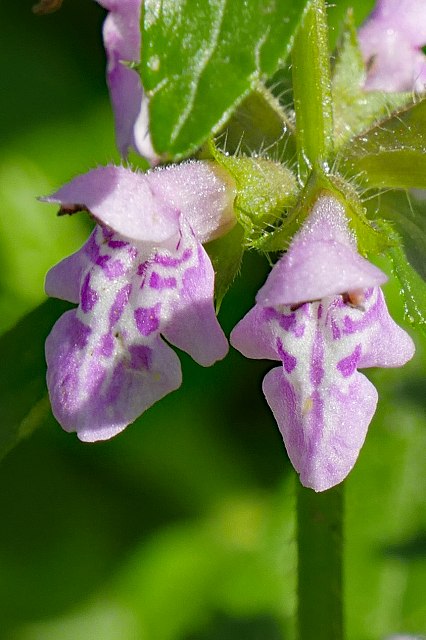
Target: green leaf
<point x="312" y="89"/>
<point x="23" y="402"/>
<point x="260" y="125"/>
<point x="413" y="288"/>
<point x="408" y="216"/>
<point x="392" y="153"/>
<point x="226" y="254"/>
<point x="355" y="109"/>
<point x="200" y="59"/>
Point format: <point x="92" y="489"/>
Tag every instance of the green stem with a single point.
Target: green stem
<point x="320" y="579"/>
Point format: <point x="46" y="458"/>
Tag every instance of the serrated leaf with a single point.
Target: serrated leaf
<point x="408" y="216"/>
<point x="392" y="153"/>
<point x="312" y="89"/>
<point x="355" y="109"/>
<point x="413" y="287"/>
<point x="23" y="402"/>
<point x="226" y="254"/>
<point x="200" y="59"/>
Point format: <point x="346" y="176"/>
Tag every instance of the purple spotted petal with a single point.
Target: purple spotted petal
<point x="98" y="385"/>
<point x="322" y="405"/>
<point x="190" y="321"/>
<point x="322" y="436"/>
<point x="122" y="40"/>
<point x="385" y="344"/>
<point x="146" y="208"/>
<point x="391" y="41"/>
<point x="322" y="260"/>
<point x="107" y="362"/>
<point x="103" y="372"/>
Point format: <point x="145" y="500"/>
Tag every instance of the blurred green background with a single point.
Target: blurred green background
<point x="182" y="527"/>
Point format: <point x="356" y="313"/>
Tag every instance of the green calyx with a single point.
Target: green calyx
<point x="266" y="191"/>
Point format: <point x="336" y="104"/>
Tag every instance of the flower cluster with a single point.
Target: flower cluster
<point x="144" y="278"/>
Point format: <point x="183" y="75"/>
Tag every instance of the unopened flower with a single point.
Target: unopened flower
<point x="391" y="42"/>
<point x="322" y="314"/>
<point x="142" y="274"/>
<point x="122" y="40"/>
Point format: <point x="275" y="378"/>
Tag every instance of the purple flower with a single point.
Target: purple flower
<point x="391" y="42"/>
<point x="142" y="274"/>
<point x="322" y="314"/>
<point x="122" y="40"/>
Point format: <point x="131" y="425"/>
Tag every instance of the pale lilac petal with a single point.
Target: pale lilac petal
<point x="323" y="434"/>
<point x="322" y="404"/>
<point x="405" y="16"/>
<point x="190" y="322"/>
<point x="203" y="191"/>
<point x="122" y="200"/>
<point x="141" y="134"/>
<point x="146" y="208"/>
<point x="384" y="343"/>
<point x="99" y="395"/>
<point x="322" y="260"/>
<point x="106" y="360"/>
<point x="122" y="40"/>
<point x="257" y="333"/>
<point x="391" y="41"/>
<point x="398" y="636"/>
<point x="104" y="370"/>
<point x="63" y="279"/>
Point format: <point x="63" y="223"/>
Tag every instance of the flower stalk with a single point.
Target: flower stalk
<point x="320" y="563"/>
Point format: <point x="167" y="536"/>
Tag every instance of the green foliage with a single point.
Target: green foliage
<point x="392" y="153"/>
<point x="312" y="90"/>
<point x="413" y="288"/>
<point x="200" y="59"/>
<point x="226" y="254"/>
<point x="261" y="126"/>
<point x="407" y="213"/>
<point x="183" y="526"/>
<point x="23" y="402"/>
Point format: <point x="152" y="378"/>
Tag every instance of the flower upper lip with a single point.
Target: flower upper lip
<point x="322" y="260"/>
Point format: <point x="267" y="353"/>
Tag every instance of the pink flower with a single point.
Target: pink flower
<point x="142" y="274"/>
<point x="322" y="314"/>
<point x="122" y="40"/>
<point x="391" y="42"/>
